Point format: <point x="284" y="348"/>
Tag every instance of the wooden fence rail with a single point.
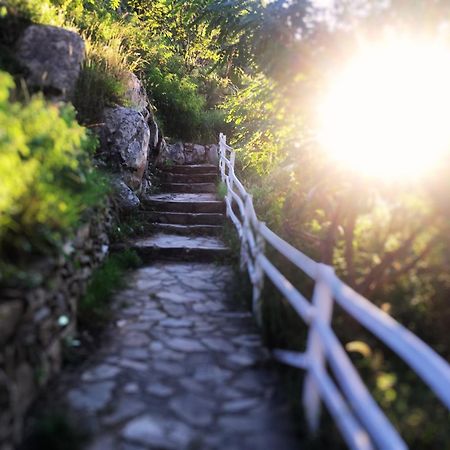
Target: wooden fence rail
<point x="360" y="420"/>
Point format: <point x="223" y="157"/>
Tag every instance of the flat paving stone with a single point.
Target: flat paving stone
<point x="160" y="390"/>
<point x="124" y="409"/>
<point x="218" y="344"/>
<point x="193" y="409"/>
<point x="176" y="323"/>
<point x="163" y="240"/>
<point x="91" y="397"/>
<point x="100" y="372"/>
<point x="181" y="367"/>
<point x="185" y="345"/>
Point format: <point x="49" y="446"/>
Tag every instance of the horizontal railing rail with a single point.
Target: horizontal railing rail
<point x="360" y="420"/>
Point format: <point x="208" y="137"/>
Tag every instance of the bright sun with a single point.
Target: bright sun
<point x="387" y="113"/>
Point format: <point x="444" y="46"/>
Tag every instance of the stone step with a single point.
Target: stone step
<point x="195" y="203"/>
<point x="170" y="177"/>
<point x="187" y="230"/>
<point x="190" y="168"/>
<point x="182" y="218"/>
<point x="194" y="188"/>
<point x="181" y="248"/>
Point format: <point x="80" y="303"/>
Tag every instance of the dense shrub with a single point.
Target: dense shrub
<point x="47" y="180"/>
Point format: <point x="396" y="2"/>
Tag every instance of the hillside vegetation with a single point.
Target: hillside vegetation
<point x="253" y="70"/>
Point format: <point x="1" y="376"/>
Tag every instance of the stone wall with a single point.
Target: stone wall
<point x="36" y="324"/>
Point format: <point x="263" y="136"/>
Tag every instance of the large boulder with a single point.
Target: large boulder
<point x="124" y="141"/>
<point x="52" y="58"/>
<point x="194" y="153"/>
<point x="171" y="154"/>
<point x="213" y="154"/>
<point x="155" y="134"/>
<point x="136" y="96"/>
<point x="125" y="198"/>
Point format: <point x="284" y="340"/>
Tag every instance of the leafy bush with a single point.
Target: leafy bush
<point x="47" y="180"/>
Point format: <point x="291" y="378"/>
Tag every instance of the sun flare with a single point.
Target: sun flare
<point x="387" y="113"/>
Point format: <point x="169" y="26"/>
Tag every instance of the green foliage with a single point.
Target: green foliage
<point x="47" y="180"/>
<point x="93" y="307"/>
<point x="221" y="190"/>
<point x="389" y="242"/>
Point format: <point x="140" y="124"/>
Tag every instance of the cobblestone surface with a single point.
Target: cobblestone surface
<point x="181" y="367"/>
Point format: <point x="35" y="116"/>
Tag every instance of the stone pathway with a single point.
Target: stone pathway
<point x="183" y="367"/>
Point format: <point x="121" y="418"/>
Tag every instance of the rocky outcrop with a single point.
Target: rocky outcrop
<point x="136" y="96"/>
<point x="126" y="200"/>
<point x="173" y="153"/>
<point x="213" y="154"/>
<point x="124" y="143"/>
<point x="194" y="153"/>
<point x="52" y="58"/>
<point x="187" y="153"/>
<point x="37" y="323"/>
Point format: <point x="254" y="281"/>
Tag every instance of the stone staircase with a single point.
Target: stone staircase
<point x="187" y="218"/>
<point x="182" y="365"/>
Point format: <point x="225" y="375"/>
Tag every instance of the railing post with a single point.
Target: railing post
<point x="258" y="282"/>
<point x="323" y="309"/>
<point x="245" y="231"/>
<point x="221" y="156"/>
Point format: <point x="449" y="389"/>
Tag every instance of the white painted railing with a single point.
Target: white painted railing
<point x="361" y="422"/>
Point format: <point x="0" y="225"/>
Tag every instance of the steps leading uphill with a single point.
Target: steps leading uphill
<point x="186" y="218"/>
<point x="182" y="365"/>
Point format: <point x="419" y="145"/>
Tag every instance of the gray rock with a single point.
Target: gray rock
<point x="100" y="373"/>
<point x="170" y="369"/>
<point x="194" y="153"/>
<point x="125" y="409"/>
<point x="137" y="366"/>
<point x="176" y="323"/>
<point x="126" y="199"/>
<point x="92" y="397"/>
<point x="154" y="132"/>
<point x="185" y="345"/>
<point x="218" y="344"/>
<point x="156" y="346"/>
<point x="153" y="315"/>
<point x="174" y="310"/>
<point x="213" y="154"/>
<point x="241" y="405"/>
<point x="131" y="388"/>
<point x="124" y="141"/>
<point x="193" y="409"/>
<point x="242" y="359"/>
<point x="160" y="390"/>
<point x="172" y="297"/>
<point x="146" y="430"/>
<point x="135" y="339"/>
<point x="140" y="354"/>
<point x="171" y="154"/>
<point x="158" y="432"/>
<point x="53" y="58"/>
<point x="136" y="96"/>
<point x="211" y="373"/>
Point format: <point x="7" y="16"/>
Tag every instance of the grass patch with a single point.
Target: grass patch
<point x="103" y="79"/>
<point x="129" y="226"/>
<point x="94" y="306"/>
<point x="221" y="190"/>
